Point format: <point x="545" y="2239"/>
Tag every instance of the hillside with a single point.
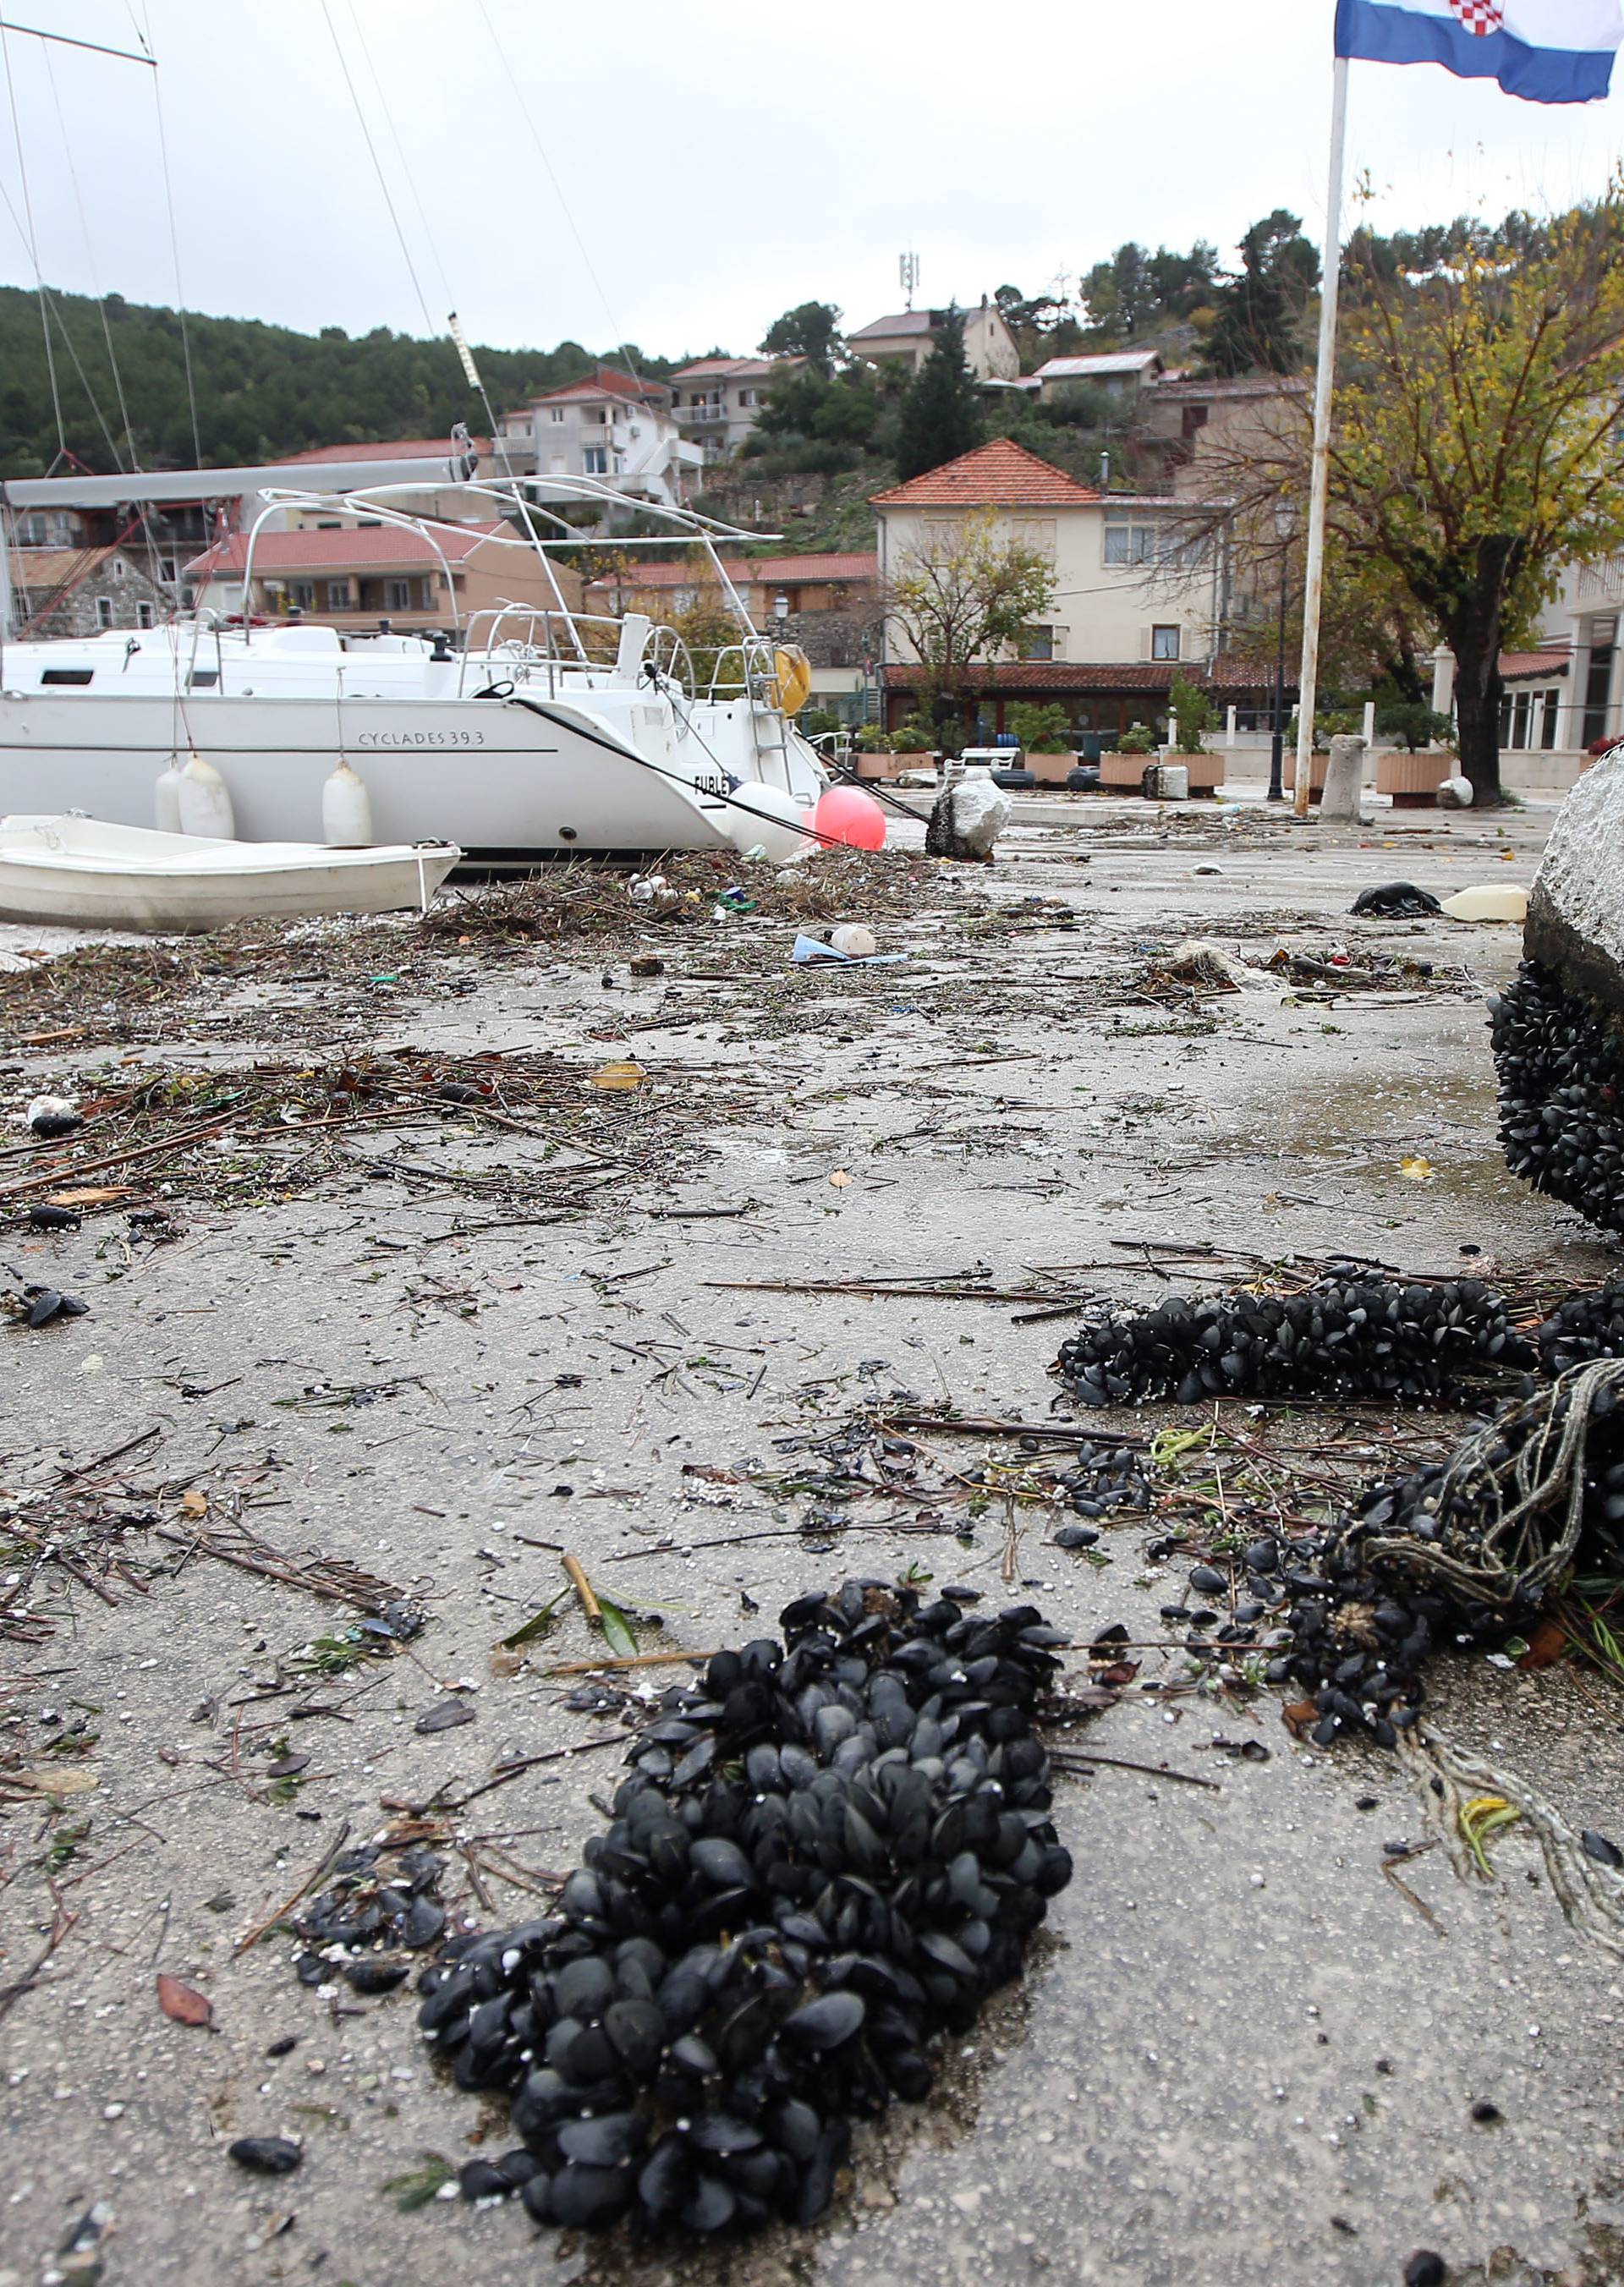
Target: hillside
<point x="262" y="391"/>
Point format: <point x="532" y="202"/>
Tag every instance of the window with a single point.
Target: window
<point x="104" y="611"/>
<point x="338" y="595"/>
<point x="397" y="595"/>
<point x="143" y="615"/>
<point x="1598" y="680"/>
<point x="202" y="678"/>
<point x="555" y="413"/>
<point x="595" y="460"/>
<point x="1164" y="643"/>
<point x="749" y="396"/>
<point x="1036" y="643"/>
<point x="68" y="675"/>
<point x="1547" y="734"/>
<point x="301" y="594"/>
<point x="1139" y="541"/>
<point x="1037" y="533"/>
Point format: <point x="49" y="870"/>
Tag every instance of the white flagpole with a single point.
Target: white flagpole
<point x="1313" y="587"/>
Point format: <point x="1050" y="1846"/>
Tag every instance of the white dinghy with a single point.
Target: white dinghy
<point x="82" y="872"/>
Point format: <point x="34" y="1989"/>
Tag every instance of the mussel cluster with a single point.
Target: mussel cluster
<point x="1367" y="1606"/>
<point x="830" y="1851"/>
<point x="380" y="1909"/>
<point x="1103" y="1480"/>
<point x="1560" y="1059"/>
<point x="1348" y="1335"/>
<point x="1589" y="1326"/>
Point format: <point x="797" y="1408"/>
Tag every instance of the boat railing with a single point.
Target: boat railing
<point x="745" y="670"/>
<point x="528" y="637"/>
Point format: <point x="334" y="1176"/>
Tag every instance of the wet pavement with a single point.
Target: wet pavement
<point x="1243" y="2051"/>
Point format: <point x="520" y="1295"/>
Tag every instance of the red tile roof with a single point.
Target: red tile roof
<point x="1075" y="675"/>
<point x="606" y="381"/>
<point x="999" y="475"/>
<point x="667" y="573"/>
<point x="1533" y="666"/>
<point x="356" y="549"/>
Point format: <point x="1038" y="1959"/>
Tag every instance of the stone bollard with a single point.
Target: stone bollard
<point x="1344" y="780"/>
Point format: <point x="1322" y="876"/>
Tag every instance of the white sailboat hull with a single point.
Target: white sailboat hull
<point x="495" y="776"/>
<point x="83" y="873"/>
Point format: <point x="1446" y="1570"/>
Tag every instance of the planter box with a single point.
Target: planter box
<point x="1122" y="773"/>
<point x="1413" y="780"/>
<point x="1317" y="766"/>
<point x="890" y="766"/>
<point x="1051" y="770"/>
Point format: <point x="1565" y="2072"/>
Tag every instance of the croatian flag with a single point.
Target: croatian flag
<point x="1546" y="50"/>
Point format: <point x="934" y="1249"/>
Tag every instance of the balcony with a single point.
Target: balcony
<point x="701" y="416"/>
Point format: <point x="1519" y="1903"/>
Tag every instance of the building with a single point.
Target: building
<point x="1138" y="590"/>
<point x="989" y="346"/>
<point x="607" y="426"/>
<point x="1124" y="373"/>
<point x="828" y="604"/>
<point x="1193" y="429"/>
<point x="356" y="577"/>
<point x="80" y="590"/>
<point x="718" y="400"/>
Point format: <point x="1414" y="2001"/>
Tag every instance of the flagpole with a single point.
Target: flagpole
<point x="1313" y="586"/>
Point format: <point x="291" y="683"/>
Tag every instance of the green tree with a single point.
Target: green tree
<point x="811" y="331"/>
<point x="1193" y="710"/>
<point x="941" y="412"/>
<point x="962" y="599"/>
<point x="1259" y="311"/>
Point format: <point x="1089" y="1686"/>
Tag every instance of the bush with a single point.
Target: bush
<point x="872" y="739"/>
<point x="1042" y="730"/>
<point x="1334" y="723"/>
<point x="1412" y="723"/>
<point x="1193" y="712"/>
<point x="812" y="722"/>
<point x="1137" y="740"/>
<point x="916" y="736"/>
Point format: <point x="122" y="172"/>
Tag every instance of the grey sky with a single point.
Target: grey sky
<point x="720" y="162"/>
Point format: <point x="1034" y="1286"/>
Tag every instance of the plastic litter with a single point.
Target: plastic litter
<point x="856" y="942"/>
<point x="809" y="951"/>
<point x="1398" y="900"/>
<point x="1495" y="901"/>
<point x="618" y="1078"/>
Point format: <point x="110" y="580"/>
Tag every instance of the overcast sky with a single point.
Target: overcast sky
<point x="718" y="163"/>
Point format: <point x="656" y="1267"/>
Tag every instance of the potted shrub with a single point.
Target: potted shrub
<point x="1122" y="769"/>
<point x="1044" y="733"/>
<point x="1420" y="755"/>
<point x="875" y="752"/>
<point x="1194" y="713"/>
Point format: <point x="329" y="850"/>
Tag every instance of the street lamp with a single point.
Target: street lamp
<point x="1284" y="526"/>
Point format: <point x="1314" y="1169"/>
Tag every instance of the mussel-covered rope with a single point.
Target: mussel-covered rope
<point x="1520" y="1482"/>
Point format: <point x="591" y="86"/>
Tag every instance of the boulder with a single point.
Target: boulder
<point x="967" y="818"/>
<point x="1576" y="906"/>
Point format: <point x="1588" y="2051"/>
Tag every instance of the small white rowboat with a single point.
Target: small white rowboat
<point x="80" y="873"/>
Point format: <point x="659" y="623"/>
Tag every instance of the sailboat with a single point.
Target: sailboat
<point x="527" y="732"/>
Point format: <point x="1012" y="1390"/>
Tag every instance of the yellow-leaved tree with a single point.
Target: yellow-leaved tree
<point x="961" y="598"/>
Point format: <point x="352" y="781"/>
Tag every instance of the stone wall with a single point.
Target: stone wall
<point x="120" y="580"/>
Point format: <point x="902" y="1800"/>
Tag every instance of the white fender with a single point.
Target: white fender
<point x="205" y="802"/>
<point x="166" y="798"/>
<point x="346" y="811"/>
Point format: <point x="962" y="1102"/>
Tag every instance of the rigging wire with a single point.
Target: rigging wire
<point x="143" y="35"/>
<point x="32" y="243"/>
<point x="377" y="169"/>
<point x="497" y="445"/>
<point x="623" y="347"/>
<point x="101" y="306"/>
<point x="49" y="307"/>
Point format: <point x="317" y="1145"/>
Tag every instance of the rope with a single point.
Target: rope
<point x="1447" y="1779"/>
<point x="1511" y="1496"/>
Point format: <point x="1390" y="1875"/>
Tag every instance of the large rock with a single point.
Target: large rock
<point x="1558" y="1028"/>
<point x="967" y="818"/>
<point x="1576" y="906"/>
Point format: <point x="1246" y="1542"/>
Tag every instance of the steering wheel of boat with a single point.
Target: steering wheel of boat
<point x="667" y="659"/>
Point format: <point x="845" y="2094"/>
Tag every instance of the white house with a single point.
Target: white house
<point x="1139" y="589"/>
<point x="989" y="346"/>
<point x="717" y="401"/>
<point x="608" y="426"/>
<point x="1124" y="372"/>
